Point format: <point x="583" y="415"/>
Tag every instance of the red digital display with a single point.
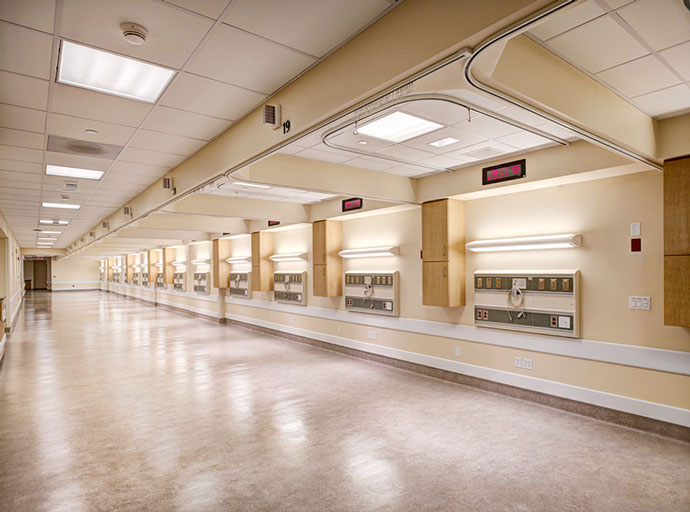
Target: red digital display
<point x="354" y="203"/>
<point x="273" y="223"/>
<point x="503" y="172"/>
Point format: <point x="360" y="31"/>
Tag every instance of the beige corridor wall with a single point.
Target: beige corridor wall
<point x="75" y="274"/>
<point x="600" y="210"/>
<point x="13" y="272"/>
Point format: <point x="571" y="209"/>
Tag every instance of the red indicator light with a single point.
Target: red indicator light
<point x="635" y="245"/>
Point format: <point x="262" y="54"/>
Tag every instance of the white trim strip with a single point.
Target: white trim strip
<point x="2" y="345"/>
<point x="672" y="361"/>
<point x="644" y="408"/>
<point x="75" y="289"/>
<point x="76" y="282"/>
<point x="186" y="307"/>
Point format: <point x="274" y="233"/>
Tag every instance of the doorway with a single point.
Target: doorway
<point x="40" y="275"/>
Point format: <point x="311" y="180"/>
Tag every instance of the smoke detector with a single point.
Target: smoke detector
<point x="134" y="33"/>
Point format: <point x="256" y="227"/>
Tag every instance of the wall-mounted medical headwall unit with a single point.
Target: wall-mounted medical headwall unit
<point x="145" y="276"/>
<point x="240" y="284"/>
<point x="178" y="276"/>
<point x="137" y="276"/>
<point x="290" y="287"/>
<point x="373" y="292"/>
<point x="201" y="282"/>
<point x="160" y="282"/>
<point x="536" y="301"/>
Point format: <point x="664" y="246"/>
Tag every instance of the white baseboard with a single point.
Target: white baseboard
<point x="643" y="408"/>
<point x="2" y="345"/>
<point x="672" y="361"/>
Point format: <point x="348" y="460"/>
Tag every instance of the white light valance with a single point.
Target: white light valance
<point x="526" y="243"/>
<point x="370" y="252"/>
<point x="289" y="256"/>
<point x="199" y="262"/>
<point x="238" y="259"/>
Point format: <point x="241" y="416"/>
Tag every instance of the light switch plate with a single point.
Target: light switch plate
<point x="635" y="229"/>
<point x="640" y="303"/>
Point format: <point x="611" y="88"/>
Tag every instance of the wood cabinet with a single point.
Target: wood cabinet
<point x="262" y="267"/>
<point x="443" y="253"/>
<point x="153" y="258"/>
<point x="326" y="244"/>
<point x="169" y="255"/>
<point x="111" y="264"/>
<point x="129" y="271"/>
<point x="221" y="268"/>
<point x="677" y="242"/>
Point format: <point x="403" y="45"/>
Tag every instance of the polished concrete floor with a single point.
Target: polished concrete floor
<point x="110" y="404"/>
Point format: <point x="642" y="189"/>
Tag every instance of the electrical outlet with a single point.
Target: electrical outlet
<point x="523" y="362"/>
<point x="457" y="351"/>
<point x="637" y="302"/>
<point x="291" y="320"/>
<point x="371" y="335"/>
<point x="339" y="329"/>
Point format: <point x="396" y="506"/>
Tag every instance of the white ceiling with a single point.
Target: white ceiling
<point x="229" y="56"/>
<point x="480" y="139"/>
<point x="229" y="188"/>
<point x="638" y="48"/>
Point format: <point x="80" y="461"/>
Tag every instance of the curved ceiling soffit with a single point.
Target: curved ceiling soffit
<point x="513" y="31"/>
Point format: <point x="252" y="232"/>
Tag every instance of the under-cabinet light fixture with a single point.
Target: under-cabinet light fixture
<point x="526" y="243"/>
<point x="238" y="259"/>
<point x="289" y="256"/>
<point x="370" y="252"/>
<point x="199" y="262"/>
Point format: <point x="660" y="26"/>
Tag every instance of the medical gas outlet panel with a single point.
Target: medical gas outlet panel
<point x="537" y="301"/>
<point x="373" y="292"/>
<point x="201" y="282"/>
<point x="159" y="280"/>
<point x="290" y="287"/>
<point x="136" y="279"/>
<point x="240" y="284"/>
<point x="145" y="279"/>
<point x="178" y="281"/>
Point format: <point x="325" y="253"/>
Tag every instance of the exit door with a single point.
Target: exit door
<point x="40" y="275"/>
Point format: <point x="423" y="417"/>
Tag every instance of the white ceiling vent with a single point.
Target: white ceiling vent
<point x="82" y="147"/>
<point x="71" y="186"/>
<point x="272" y="116"/>
<point x="134" y="33"/>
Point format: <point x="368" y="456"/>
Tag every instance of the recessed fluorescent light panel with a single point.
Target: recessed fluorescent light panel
<point x="46" y="238"/>
<point x="62" y="205"/>
<point x="58" y="222"/>
<point x="527" y="243"/>
<point x="101" y="71"/>
<point x="51" y="232"/>
<point x="73" y="172"/>
<point x="443" y="142"/>
<point x="398" y="127"/>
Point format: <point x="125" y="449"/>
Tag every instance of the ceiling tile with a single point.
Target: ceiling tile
<point x="21" y="138"/>
<point x="312" y="26"/>
<point x="446" y="162"/>
<point x="679" y="58"/>
<point x="79" y="102"/>
<point x="463" y="139"/>
<point x="350" y="140"/>
<point x="557" y="130"/>
<point x="174" y="144"/>
<point x="640" y="76"/>
<point x="483" y="151"/>
<point x="23" y="91"/>
<point x="82" y="162"/>
<point x="38" y="14"/>
<point x="667" y="102"/>
<point x="137" y="168"/>
<point x="186" y="124"/>
<point x="566" y="19"/>
<point x="24" y="154"/>
<point x="210" y="97"/>
<point x="17" y="166"/>
<point x="33" y="179"/>
<point x="248" y="61"/>
<point x="31" y="51"/>
<point x="22" y="118"/>
<point x="173" y="33"/>
<point x="442" y="112"/>
<point x="324" y="156"/>
<point x="210" y="8"/>
<point x="405" y="153"/>
<point x="144" y="156"/>
<point x="616" y="4"/>
<point x="524" y="140"/>
<point x="75" y="128"/>
<point x="661" y="23"/>
<point x="487" y="127"/>
<point x="583" y="45"/>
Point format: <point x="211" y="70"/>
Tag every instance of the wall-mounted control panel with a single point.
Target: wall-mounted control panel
<point x="145" y="279"/>
<point x="202" y="282"/>
<point x="538" y="301"/>
<point x="373" y="292"/>
<point x="178" y="281"/>
<point x="137" y="279"/>
<point x="117" y="277"/>
<point x="240" y="284"/>
<point x="159" y="280"/>
<point x="290" y="287"/>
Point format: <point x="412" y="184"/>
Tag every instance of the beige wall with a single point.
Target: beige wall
<point x="75" y="274"/>
<point x="11" y="280"/>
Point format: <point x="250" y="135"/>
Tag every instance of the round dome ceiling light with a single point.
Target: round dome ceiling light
<point x="134" y="33"/>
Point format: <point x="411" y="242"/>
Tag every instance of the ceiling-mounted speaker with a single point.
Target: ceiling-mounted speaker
<point x="272" y="116"/>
